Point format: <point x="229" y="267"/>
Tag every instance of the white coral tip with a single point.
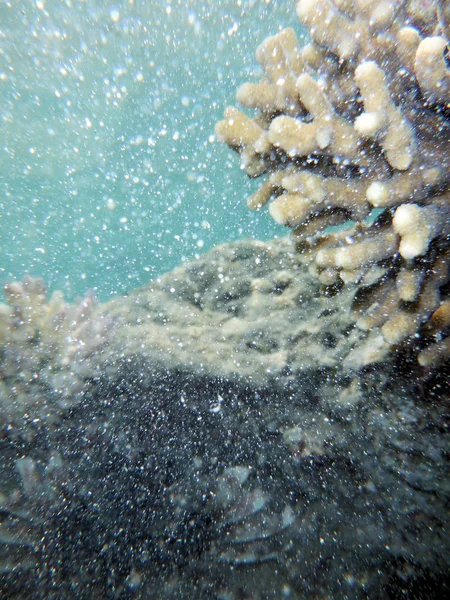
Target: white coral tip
<point x="377" y="194"/>
<point x="369" y="123"/>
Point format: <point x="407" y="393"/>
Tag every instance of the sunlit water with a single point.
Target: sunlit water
<point x="109" y="171"/>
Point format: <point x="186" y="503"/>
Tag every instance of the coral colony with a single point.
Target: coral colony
<point x="355" y="124"/>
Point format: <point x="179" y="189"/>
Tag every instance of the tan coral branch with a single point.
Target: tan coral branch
<point x="359" y="118"/>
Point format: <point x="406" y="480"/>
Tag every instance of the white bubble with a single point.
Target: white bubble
<point x="114" y="15"/>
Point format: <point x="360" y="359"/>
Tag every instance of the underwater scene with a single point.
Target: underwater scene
<point x="225" y="322"/>
<point x="109" y="170"/>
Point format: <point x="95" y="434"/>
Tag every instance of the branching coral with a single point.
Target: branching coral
<point x="353" y="125"/>
<point x="48" y="344"/>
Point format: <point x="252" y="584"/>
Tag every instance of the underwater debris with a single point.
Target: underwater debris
<point x="356" y="121"/>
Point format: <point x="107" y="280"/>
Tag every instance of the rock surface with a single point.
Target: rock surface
<point x="220" y="447"/>
<point x="246" y="310"/>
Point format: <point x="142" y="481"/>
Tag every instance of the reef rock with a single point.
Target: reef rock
<point x="217" y="444"/>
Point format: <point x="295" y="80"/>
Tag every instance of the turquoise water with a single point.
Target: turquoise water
<point x="109" y="173"/>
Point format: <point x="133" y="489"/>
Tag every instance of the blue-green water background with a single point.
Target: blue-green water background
<point x="109" y="172"/>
